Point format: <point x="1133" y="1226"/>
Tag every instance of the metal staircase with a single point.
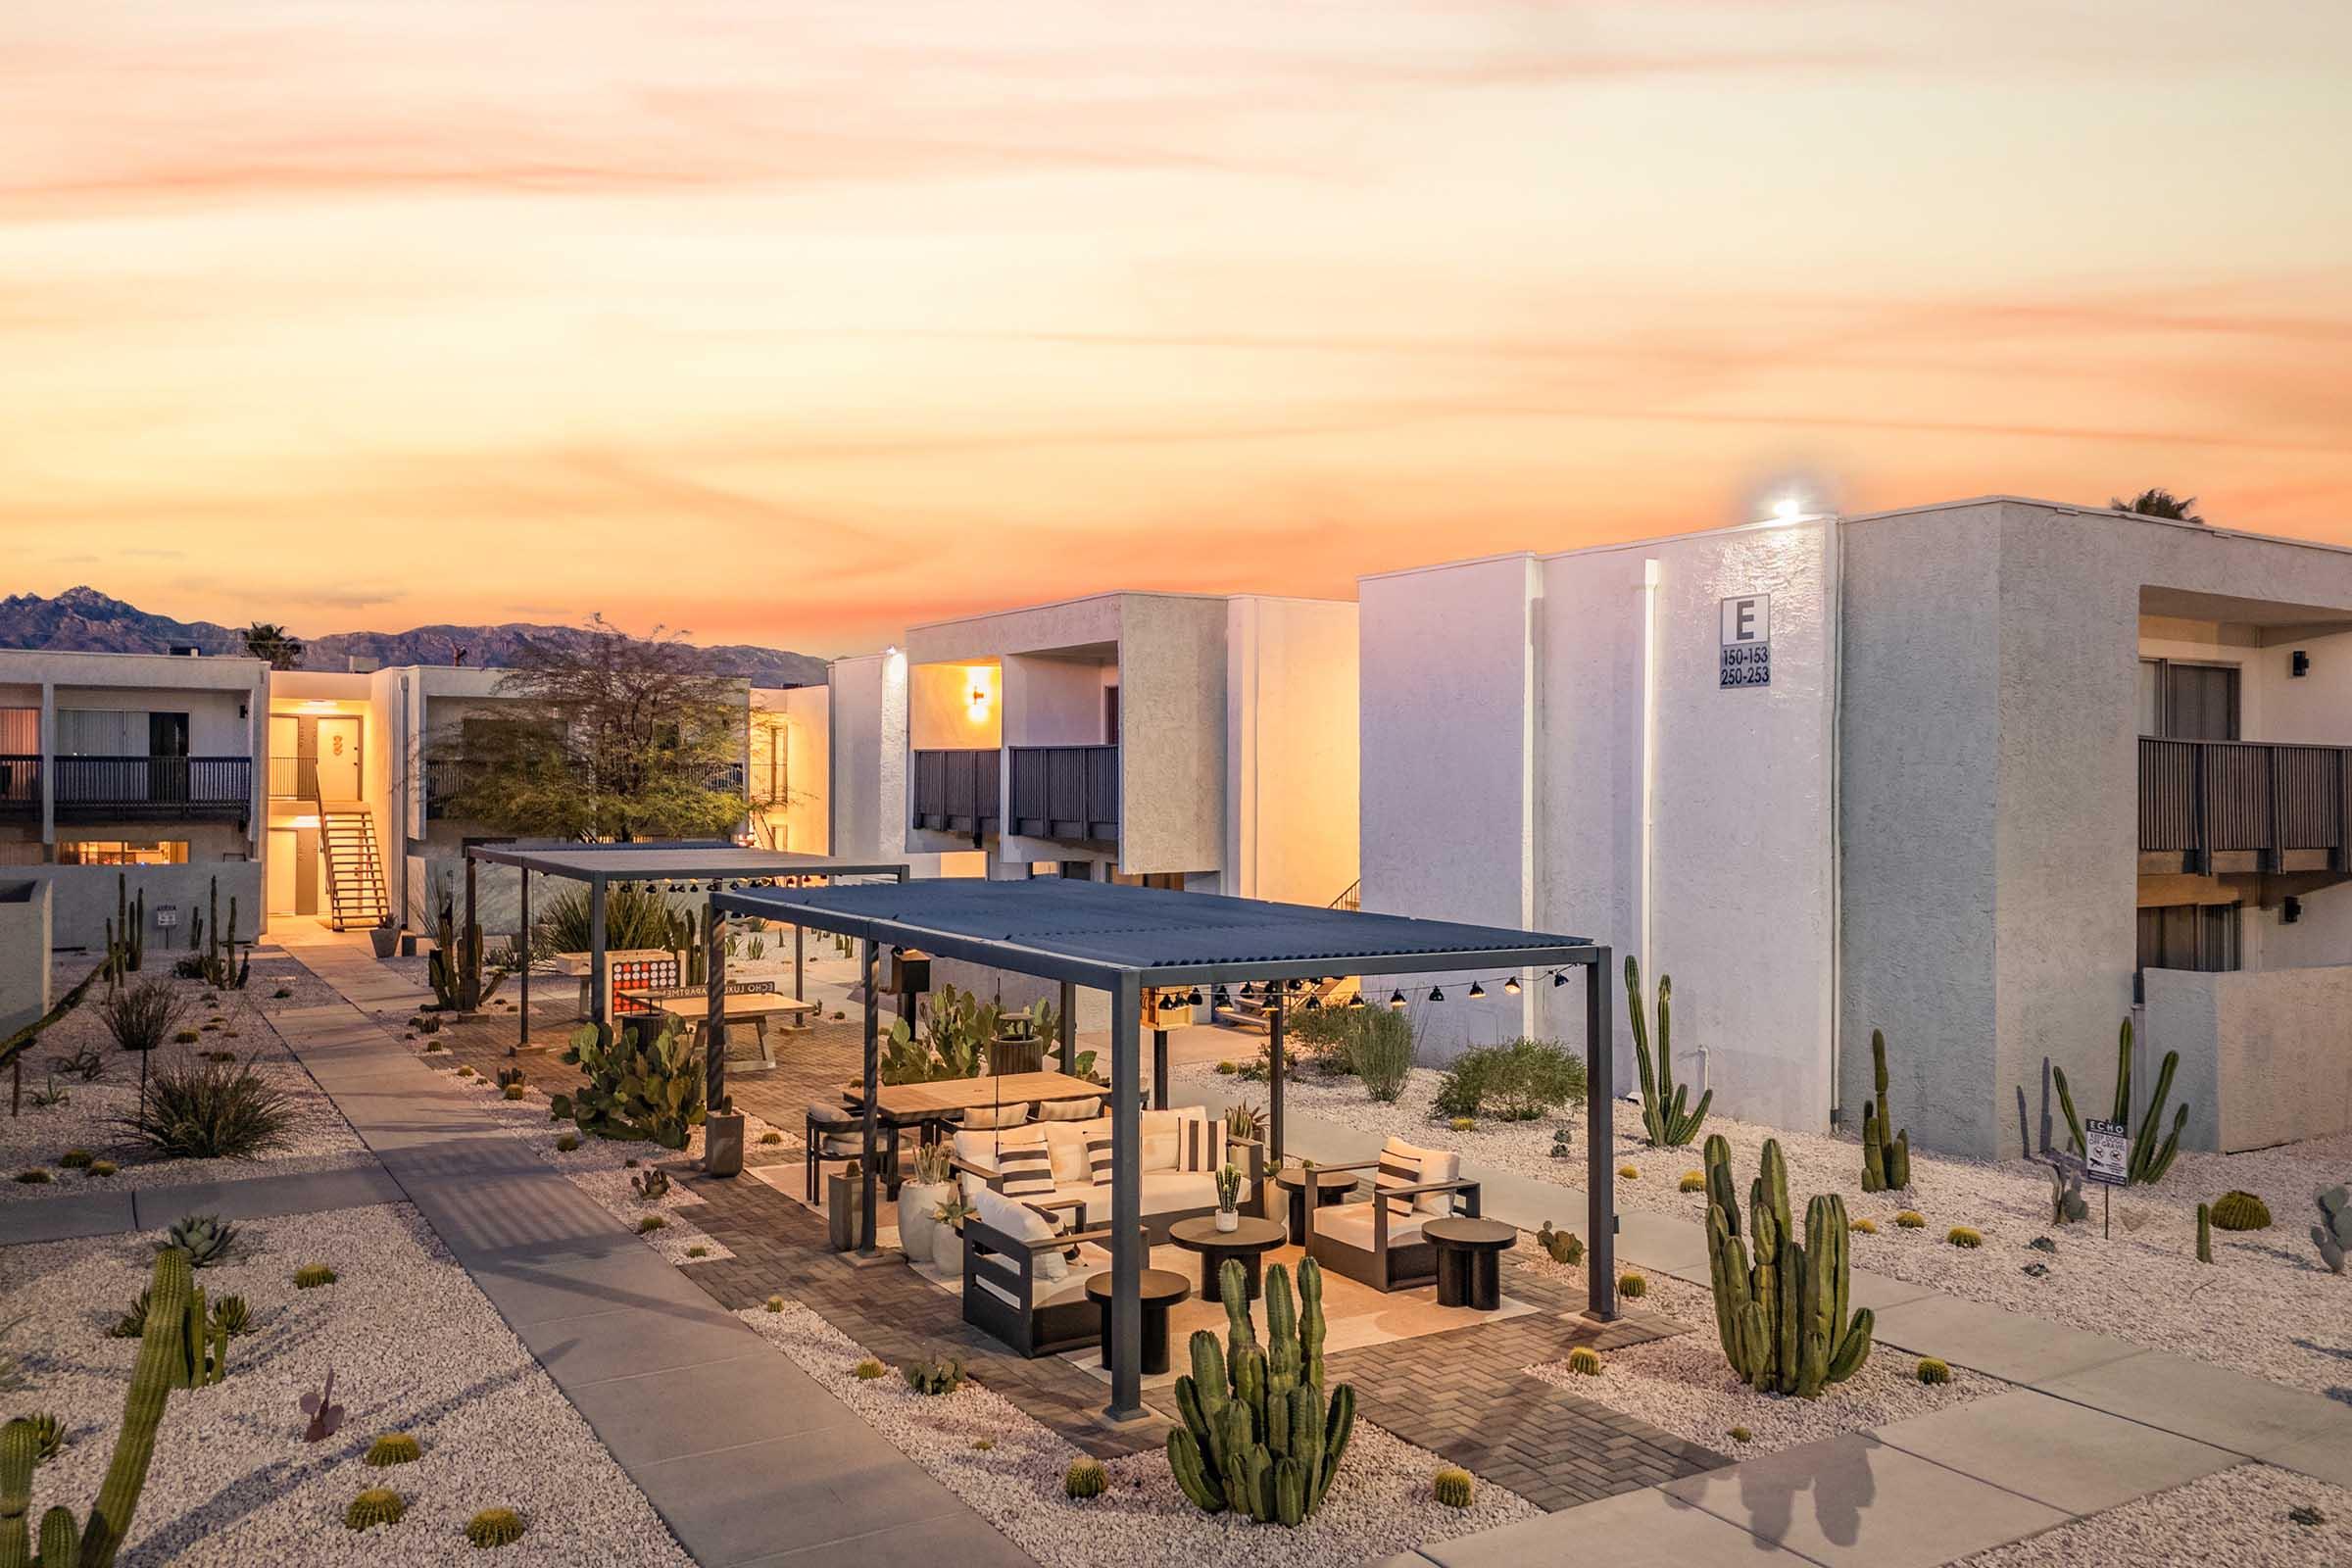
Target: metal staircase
<point x="1254" y="1012"/>
<point x="354" y="872"/>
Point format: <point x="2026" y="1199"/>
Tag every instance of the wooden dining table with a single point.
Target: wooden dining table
<point x="755" y="1008"/>
<point x="907" y="1105"/>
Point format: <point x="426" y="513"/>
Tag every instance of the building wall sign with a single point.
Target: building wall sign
<point x="1746" y="637"/>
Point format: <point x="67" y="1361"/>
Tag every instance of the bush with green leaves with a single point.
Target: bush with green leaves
<point x="1382" y="1044"/>
<point x="635" y="916"/>
<point x="142" y="1017"/>
<point x="211" y="1111"/>
<point x="1519" y="1080"/>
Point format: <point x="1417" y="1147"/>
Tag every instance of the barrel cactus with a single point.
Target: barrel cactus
<point x="1585" y="1361"/>
<point x="310" y="1276"/>
<point x="1085" y="1478"/>
<point x="1932" y="1371"/>
<point x="1453" y="1486"/>
<point x="494" y="1527"/>
<point x="2234" y="1210"/>
<point x="394" y="1447"/>
<point x="1965" y="1237"/>
<point x="378" y="1505"/>
<point x="1258" y="1435"/>
<point x="1781" y="1313"/>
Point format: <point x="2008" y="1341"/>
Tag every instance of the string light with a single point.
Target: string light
<point x="1511" y="985"/>
<point x="1477" y="990"/>
<point x="1436" y="994"/>
<point x="1194" y="1001"/>
<point x="1313" y="1004"/>
<point x="1397" y="1001"/>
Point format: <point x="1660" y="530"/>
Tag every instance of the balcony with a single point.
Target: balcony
<point x="1066" y="792"/>
<point x="19" y="785"/>
<point x="953" y="791"/>
<point x="2220" y="806"/>
<point x="293" y="777"/>
<point x="115" y="789"/>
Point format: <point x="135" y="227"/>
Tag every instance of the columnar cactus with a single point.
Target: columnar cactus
<point x="2204" y="1233"/>
<point x="2149" y="1158"/>
<point x="64" y="1543"/>
<point x="455" y="966"/>
<point x="1885" y="1152"/>
<point x="1662" y="1115"/>
<point x="1257" y="1436"/>
<point x="1783" y="1320"/>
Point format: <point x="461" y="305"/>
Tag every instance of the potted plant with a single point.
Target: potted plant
<point x="932" y="1183"/>
<point x="384" y="934"/>
<point x="1016" y="1047"/>
<point x="1229" y="1198"/>
<point x="946" y="1232"/>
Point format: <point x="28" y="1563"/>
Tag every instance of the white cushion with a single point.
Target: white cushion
<point x="982" y="1117"/>
<point x="1069" y="1110"/>
<point x="1066" y="1143"/>
<point x="1010" y="1217"/>
<point x="1164" y="1192"/>
<point x="1071" y="1287"/>
<point x="1163" y="1145"/>
<point x="1404" y="1164"/>
<point x="1350" y="1225"/>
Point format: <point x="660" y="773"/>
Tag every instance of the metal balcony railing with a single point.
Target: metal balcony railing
<point x="19" y="785"/>
<point x="92" y="789"/>
<point x="2199" y="799"/>
<point x="1066" y="792"/>
<point x="955" y="791"/>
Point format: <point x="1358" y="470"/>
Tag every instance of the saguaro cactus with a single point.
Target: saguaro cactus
<point x="455" y="966"/>
<point x="65" y="1544"/>
<point x="2149" y="1159"/>
<point x="1257" y="1436"/>
<point x="1885" y="1159"/>
<point x="1662" y="1115"/>
<point x="1783" y="1317"/>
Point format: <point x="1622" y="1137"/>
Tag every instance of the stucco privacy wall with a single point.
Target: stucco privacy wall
<point x="1171" y="733"/>
<point x="2263" y="1058"/>
<point x="1446" y="676"/>
<point x="83" y="898"/>
<point x="1290" y="737"/>
<point x="1990" y="787"/>
<point x="24" y="952"/>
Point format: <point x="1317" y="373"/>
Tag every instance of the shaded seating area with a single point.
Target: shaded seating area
<point x="1136" y="1181"/>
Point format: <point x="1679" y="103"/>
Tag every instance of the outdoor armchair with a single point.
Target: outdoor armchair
<point x="1019" y="1283"/>
<point x="1375" y="1244"/>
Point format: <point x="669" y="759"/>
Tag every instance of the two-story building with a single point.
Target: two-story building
<point x="1990" y="776"/>
<point x="142" y="764"/>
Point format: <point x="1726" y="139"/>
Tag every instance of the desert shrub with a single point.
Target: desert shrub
<point x="635" y="916"/>
<point x="1382" y="1044"/>
<point x="1519" y="1080"/>
<point x="211" y="1111"/>
<point x="143" y="1016"/>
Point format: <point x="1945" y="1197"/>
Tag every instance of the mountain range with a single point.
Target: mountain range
<point x="85" y="621"/>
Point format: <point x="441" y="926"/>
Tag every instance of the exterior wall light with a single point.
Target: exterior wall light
<point x="2301" y="665"/>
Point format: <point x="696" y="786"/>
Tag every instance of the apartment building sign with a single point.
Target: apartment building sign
<point x="1746" y="632"/>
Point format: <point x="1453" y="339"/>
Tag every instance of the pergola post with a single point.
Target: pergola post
<point x="523" y="956"/>
<point x="799" y="973"/>
<point x="1126" y="1200"/>
<point x="1069" y="1028"/>
<point x="465" y="933"/>
<point x="596" y="991"/>
<point x="871" y="967"/>
<point x="1159" y="1068"/>
<point x="714" y="1017"/>
<point x="1276" y="1073"/>
<point x="1600" y="1134"/>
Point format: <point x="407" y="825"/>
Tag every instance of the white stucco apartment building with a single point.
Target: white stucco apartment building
<point x="1990" y="777"/>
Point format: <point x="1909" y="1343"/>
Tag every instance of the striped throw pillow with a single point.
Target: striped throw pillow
<point x="1027" y="1170"/>
<point x="1098" y="1158"/>
<point x="1202" y="1144"/>
<point x="1399" y="1166"/>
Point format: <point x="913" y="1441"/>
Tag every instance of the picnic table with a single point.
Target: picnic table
<point x="755" y="1008"/>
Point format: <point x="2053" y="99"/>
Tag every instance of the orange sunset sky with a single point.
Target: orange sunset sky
<point x="798" y="324"/>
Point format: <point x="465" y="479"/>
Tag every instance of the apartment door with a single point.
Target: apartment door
<point x="283" y="851"/>
<point x="338" y="758"/>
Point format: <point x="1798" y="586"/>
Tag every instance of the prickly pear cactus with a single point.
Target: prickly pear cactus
<point x="645" y="1083"/>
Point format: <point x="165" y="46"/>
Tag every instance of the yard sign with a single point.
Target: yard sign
<point x="2107" y="1154"/>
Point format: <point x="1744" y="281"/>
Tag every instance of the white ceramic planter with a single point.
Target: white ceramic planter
<point x="1229" y="1219"/>
<point x="917" y="1230"/>
<point x="947" y="1250"/>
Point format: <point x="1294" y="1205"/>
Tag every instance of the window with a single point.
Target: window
<point x="2187" y="702"/>
<point x="1172" y="881"/>
<point x="118" y="851"/>
<point x="167" y="734"/>
<point x="2188" y="936"/>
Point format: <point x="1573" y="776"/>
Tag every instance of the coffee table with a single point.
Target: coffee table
<point x="1161" y="1290"/>
<point x="1331" y="1186"/>
<point x="1470" y="1260"/>
<point x="1247" y="1242"/>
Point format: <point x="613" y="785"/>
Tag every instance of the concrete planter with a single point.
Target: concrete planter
<point x="723" y="1143"/>
<point x="919" y="1232"/>
<point x="845" y="1202"/>
<point x="385" y="939"/>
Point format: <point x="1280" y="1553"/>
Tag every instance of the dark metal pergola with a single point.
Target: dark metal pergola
<point x="599" y="865"/>
<point x="1123" y="940"/>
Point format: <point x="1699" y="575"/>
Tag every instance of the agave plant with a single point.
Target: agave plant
<point x="205" y="1237"/>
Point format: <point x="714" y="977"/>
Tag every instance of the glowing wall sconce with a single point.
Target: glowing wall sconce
<point x="979" y="691"/>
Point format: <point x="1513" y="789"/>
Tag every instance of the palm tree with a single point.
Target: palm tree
<point x="2159" y="503"/>
<point x="266" y="639"/>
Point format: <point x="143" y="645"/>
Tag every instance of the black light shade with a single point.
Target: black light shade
<point x="1437" y="993"/>
<point x="1511" y="985"/>
<point x="1476" y="991"/>
<point x="1221" y="999"/>
<point x="1314" y="1004"/>
<point x="1193" y="1000"/>
<point x="1396" y="998"/>
<point x="1559" y="977"/>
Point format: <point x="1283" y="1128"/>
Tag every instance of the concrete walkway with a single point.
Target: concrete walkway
<point x="146" y="1208"/>
<point x="745" y="1457"/>
<point x="2091" y="1422"/>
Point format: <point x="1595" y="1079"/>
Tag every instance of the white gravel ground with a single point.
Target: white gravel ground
<point x="1685" y="1386"/>
<point x="415" y="1346"/>
<point x="2236" y="1518"/>
<point x="1378" y="1504"/>
<point x="317" y="1136"/>
<point x="2265" y="1307"/>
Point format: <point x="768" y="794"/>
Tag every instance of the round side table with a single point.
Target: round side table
<point x="1247" y="1242"/>
<point x="1331" y="1186"/>
<point x="1161" y="1290"/>
<point x="1470" y="1260"/>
